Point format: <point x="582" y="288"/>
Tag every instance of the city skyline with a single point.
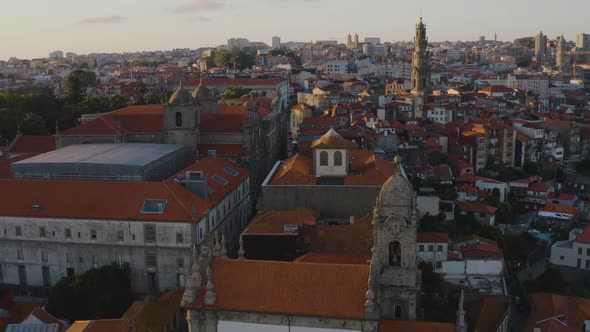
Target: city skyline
<point x="111" y="26"/>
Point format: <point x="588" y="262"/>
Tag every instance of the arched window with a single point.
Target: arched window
<point x="395" y="254"/>
<point x="323" y="158"/>
<point x="178" y="119"/>
<point x="338" y="158"/>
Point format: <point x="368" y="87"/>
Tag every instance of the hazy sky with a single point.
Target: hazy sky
<point x="33" y="28"/>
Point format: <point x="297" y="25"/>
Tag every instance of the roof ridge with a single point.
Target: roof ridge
<point x="188" y="211"/>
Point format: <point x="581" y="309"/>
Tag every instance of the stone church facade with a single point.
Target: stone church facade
<point x="384" y="291"/>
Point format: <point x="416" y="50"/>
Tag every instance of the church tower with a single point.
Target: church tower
<point x="421" y="71"/>
<point x="394" y="279"/>
<point x="181" y="120"/>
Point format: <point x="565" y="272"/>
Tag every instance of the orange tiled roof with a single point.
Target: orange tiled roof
<point x="431" y="237"/>
<point x="415" y="326"/>
<point x="46" y="317"/>
<point x="288" y="288"/>
<point x="328" y="258"/>
<point x="101" y="325"/>
<point x="545" y="306"/>
<point x="476" y="207"/>
<point x="485" y="314"/>
<point x="272" y="222"/>
<point x="331" y="140"/>
<point x="213" y="123"/>
<point x="118" y="200"/>
<point x="559" y="208"/>
<point x="34" y="144"/>
<point x="343" y="239"/>
<point x="298" y="170"/>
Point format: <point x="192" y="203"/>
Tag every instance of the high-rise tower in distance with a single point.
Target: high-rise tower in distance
<point x="421" y="70"/>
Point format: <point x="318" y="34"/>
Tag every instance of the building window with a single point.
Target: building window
<point x="439" y="248"/>
<point x="561" y="258"/>
<point x="180" y="280"/>
<point x="438" y="264"/>
<point x="68" y="233"/>
<point x="22" y="275"/>
<point x="149" y="233"/>
<point x="338" y="158"/>
<point x="93" y="234"/>
<point x="180" y="262"/>
<point x="18" y="231"/>
<point x="323" y="158"/>
<point x="69" y="259"/>
<point x="430" y="248"/>
<point x="151" y="260"/>
<point x="579" y="263"/>
<point x="152" y="281"/>
<point x="70" y="272"/>
<point x="120" y="236"/>
<point x="398" y="312"/>
<point x="395" y="254"/>
<point x="579" y="251"/>
<point x="81" y="260"/>
<point x="178" y="119"/>
<point x="94" y="261"/>
<point x="421" y="248"/>
<point x="44" y="258"/>
<point x="42" y="232"/>
<point x="179" y="237"/>
<point x="587" y="264"/>
<point x="588" y="252"/>
<point x="19" y="254"/>
<point x="46" y="276"/>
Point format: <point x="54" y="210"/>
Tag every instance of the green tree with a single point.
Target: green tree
<point x="492" y="233"/>
<point x="33" y="124"/>
<point x="528" y="42"/>
<point x="551" y="281"/>
<point x="103" y="293"/>
<point x="75" y="83"/>
<point x="235" y="92"/>
<point x="222" y="59"/>
<point x="531" y="168"/>
<point x="140" y="93"/>
<point x="117" y="102"/>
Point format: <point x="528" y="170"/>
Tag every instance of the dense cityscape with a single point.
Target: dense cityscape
<point x="355" y="185"/>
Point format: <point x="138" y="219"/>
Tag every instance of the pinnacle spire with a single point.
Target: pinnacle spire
<point x="241" y="251"/>
<point x="210" y="293"/>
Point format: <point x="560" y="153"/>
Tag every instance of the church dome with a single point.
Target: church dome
<point x="396" y="192"/>
<point x="180" y="97"/>
<point x="201" y="92"/>
<point x="331" y="140"/>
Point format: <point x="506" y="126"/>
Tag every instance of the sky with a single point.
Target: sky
<point x="34" y="28"/>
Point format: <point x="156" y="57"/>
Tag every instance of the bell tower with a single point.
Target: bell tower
<point x="181" y="120"/>
<point x="394" y="281"/>
<point x="421" y="69"/>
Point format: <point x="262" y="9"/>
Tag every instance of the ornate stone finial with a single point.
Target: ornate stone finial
<point x="397" y="160"/>
<point x="241" y="252"/>
<point x="210" y="294"/>
<point x="370" y="302"/>
<point x="223" y="246"/>
<point x="461" y="326"/>
<point x="56" y="127"/>
<point x="217" y="245"/>
<point x="193" y="285"/>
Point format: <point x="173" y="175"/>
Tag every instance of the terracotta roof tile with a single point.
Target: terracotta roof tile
<point x="102" y="325"/>
<point x="273" y="221"/>
<point x="343" y="239"/>
<point x="476" y="207"/>
<point x="34" y="144"/>
<point x="415" y="326"/>
<point x="289" y="288"/>
<point x="559" y="208"/>
<point x="430" y="237"/>
<point x="328" y="258"/>
<point x="46" y="317"/>
<point x="212" y="123"/>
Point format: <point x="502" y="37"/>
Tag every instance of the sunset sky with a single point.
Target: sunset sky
<point x="30" y="29"/>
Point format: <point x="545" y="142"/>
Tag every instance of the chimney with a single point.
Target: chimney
<point x="196" y="182"/>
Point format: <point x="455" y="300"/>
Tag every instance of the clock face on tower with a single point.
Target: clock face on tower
<point x="396" y="225"/>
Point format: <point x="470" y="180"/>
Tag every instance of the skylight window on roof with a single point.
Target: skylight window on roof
<point x="231" y="171"/>
<point x="154" y="206"/>
<point x="220" y="180"/>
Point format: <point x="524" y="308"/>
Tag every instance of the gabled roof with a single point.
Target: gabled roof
<point x="431" y="237"/>
<point x="331" y="140"/>
<point x="117" y="200"/>
<point x="326" y="290"/>
<point x="273" y="221"/>
<point x="154" y="314"/>
<point x="414" y="326"/>
<point x="34" y="144"/>
<point x="476" y="207"/>
<point x="46" y="317"/>
<point x="559" y="208"/>
<point x="342" y="239"/>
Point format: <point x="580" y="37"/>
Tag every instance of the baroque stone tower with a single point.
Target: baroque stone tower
<point x="394" y="280"/>
<point x="421" y="70"/>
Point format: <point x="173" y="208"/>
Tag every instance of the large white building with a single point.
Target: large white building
<point x="57" y="228"/>
<point x="337" y="67"/>
<point x="575" y="252"/>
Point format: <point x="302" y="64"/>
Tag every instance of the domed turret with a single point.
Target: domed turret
<point x="201" y="92"/>
<point x="180" y="97"/>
